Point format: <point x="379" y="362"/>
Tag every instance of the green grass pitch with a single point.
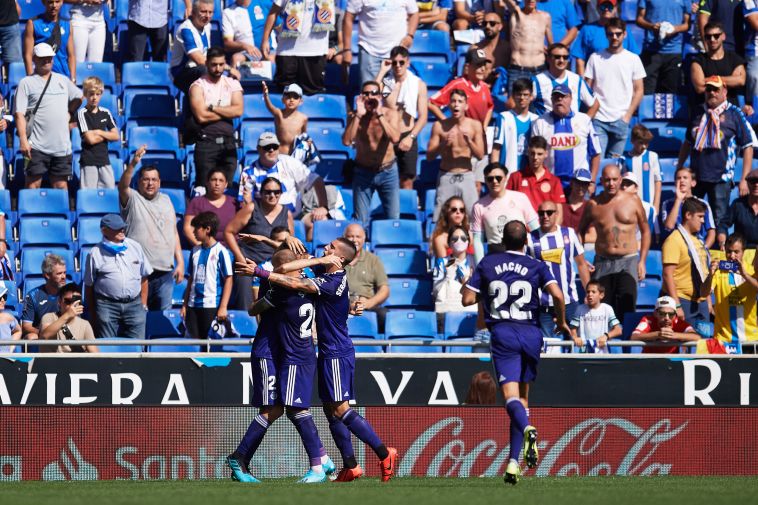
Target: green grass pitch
<point x="413" y="491"/>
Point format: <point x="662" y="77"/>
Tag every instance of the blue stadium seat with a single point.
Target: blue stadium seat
<point x="245" y="325"/>
<point x="396" y="233"/>
<point x="426" y="174"/>
<point x="647" y="293"/>
<point x="178" y="198"/>
<point x="125" y="347"/>
<point x="432" y="45"/>
<point x="172" y="348"/>
<point x="177" y="294"/>
<point x="408" y="205"/>
<point x="329" y="142"/>
<point x="16" y="72"/>
<point x="406" y="292"/>
<point x="403" y="262"/>
<point x="110" y="102"/>
<point x="331" y="171"/>
<point x="589" y="256"/>
<point x="365" y="327"/>
<point x="88" y="230"/>
<point x="171" y="171"/>
<point x="161" y="141"/>
<point x="165" y="323"/>
<point x="668" y="170"/>
<point x="435" y="74"/>
<point x="249" y="133"/>
<point x="347" y="197"/>
<point x="106" y="71"/>
<point x="97" y="202"/>
<point x="299" y="229"/>
<point x="662" y="107"/>
<point x="84" y="251"/>
<point x="31" y="283"/>
<point x="654" y="265"/>
<point x="152" y="75"/>
<point x="631" y="319"/>
<point x="326" y="231"/>
<point x="414" y="349"/>
<point x="410" y="323"/>
<point x="43" y="202"/>
<point x="30" y="9"/>
<point x="13" y="303"/>
<point x="324" y="110"/>
<point x="254" y="109"/>
<point x="149" y="109"/>
<point x="667" y="139"/>
<point x="459" y="325"/>
<point x="32" y="258"/>
<point x="5" y="201"/>
<point x="45" y="232"/>
<point x="430" y="197"/>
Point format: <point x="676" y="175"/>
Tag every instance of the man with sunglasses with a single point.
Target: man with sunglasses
<point x="65" y="323"/>
<point x="743" y="215"/>
<point x="557" y="72"/>
<point x="592" y="37"/>
<point x="664" y="325"/>
<point x="717" y="60"/>
<point x="495" y="47"/>
<point x="665" y="22"/>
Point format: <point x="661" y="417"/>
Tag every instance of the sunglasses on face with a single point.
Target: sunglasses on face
<point x="560" y="56"/>
<point x="370" y="93"/>
<point x="3" y="298"/>
<point x="271" y="192"/>
<point x="606" y="7"/>
<point x="269" y="148"/>
<point x="495" y="178"/>
<point x="711" y="89"/>
<point x="68" y="301"/>
<point x="459" y="238"/>
<point x="752" y="180"/>
<point x="713" y="36"/>
<point x="545" y="212"/>
<point x="491" y="23"/>
<point x="398" y="63"/>
<point x="615" y="35"/>
<point x="460" y="209"/>
<point x="669" y="315"/>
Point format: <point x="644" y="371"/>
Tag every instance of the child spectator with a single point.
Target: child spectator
<point x="9" y="327"/>
<point x="644" y="165"/>
<point x="210" y="282"/>
<point x="630" y="184"/>
<point x="513" y="129"/>
<point x="450" y="273"/>
<point x="97" y="127"/>
<point x="671" y="210"/>
<point x="535" y="180"/>
<point x="290" y="123"/>
<point x="594" y="322"/>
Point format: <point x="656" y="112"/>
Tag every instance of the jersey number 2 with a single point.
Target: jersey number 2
<point x="500" y="292"/>
<point x="306" y="311"/>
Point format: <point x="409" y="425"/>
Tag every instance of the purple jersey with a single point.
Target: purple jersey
<point x="266" y="327"/>
<point x="508" y="284"/>
<point x="332" y="309"/>
<point x="293" y="312"/>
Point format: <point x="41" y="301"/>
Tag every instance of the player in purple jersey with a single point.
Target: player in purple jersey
<point x="336" y="359"/>
<point x="507" y="285"/>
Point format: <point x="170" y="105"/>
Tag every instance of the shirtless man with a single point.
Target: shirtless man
<point x="289" y="121"/>
<point x="529" y="28"/>
<point x="373" y="130"/>
<point x="456" y="140"/>
<point x="617" y="215"/>
<point x="494" y="47"/>
<point x="408" y="97"/>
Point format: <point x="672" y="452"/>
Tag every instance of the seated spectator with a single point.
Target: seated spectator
<point x="50" y="28"/>
<point x="478" y="96"/>
<point x="237" y="29"/>
<point x="65" y="323"/>
<point x="453" y="213"/>
<point x="97" y="127"/>
<point x="43" y="299"/>
<point x="557" y="72"/>
<point x="209" y="287"/>
<point x="456" y="140"/>
<point x="716" y="60"/>
<point x="743" y="215"/>
<point x="115" y="280"/>
<point x="671" y="210"/>
<point x="290" y="123"/>
<point x="664" y="325"/>
<point x="149" y="20"/>
<point x="592" y="37"/>
<point x="529" y="30"/>
<point x="573" y="208"/>
<point x="594" y="322"/>
<point x="191" y="42"/>
<point x="88" y="29"/>
<point x="645" y="167"/>
<point x="665" y="22"/>
<point x="513" y="128"/>
<point x="9" y="327"/>
<point x="685" y="264"/>
<point x="536" y="181"/>
<point x="564" y="21"/>
<point x="366" y="277"/>
<point x="432" y="14"/>
<point x="450" y="273"/>
<point x="214" y="200"/>
<point x="493" y="45"/>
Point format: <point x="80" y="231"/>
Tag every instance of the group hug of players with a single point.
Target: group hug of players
<point x="284" y="361"/>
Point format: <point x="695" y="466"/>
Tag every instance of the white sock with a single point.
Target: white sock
<point x="317" y="468"/>
<point x="324" y="458"/>
<point x="512" y="461"/>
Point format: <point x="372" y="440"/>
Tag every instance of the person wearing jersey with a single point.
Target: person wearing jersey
<point x="513" y="129"/>
<point x="508" y="286"/>
<point x="557" y="72"/>
<point x="664" y="325"/>
<point x="191" y="42"/>
<point x="480" y="104"/>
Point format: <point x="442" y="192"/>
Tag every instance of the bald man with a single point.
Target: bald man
<point x="366" y="277"/>
<point x="619" y="259"/>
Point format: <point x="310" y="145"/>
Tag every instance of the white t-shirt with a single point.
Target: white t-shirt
<point x="236" y="25"/>
<point x="592" y="323"/>
<point x="294" y="176"/>
<point x="382" y="23"/>
<point x="309" y="43"/>
<point x="613" y="81"/>
<point x="490" y="215"/>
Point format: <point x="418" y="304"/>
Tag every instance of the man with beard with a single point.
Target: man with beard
<point x="495" y="48"/>
<point x="557" y="72"/>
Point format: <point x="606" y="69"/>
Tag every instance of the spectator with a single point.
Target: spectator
<point x="10" y="35"/>
<point x="536" y="181"/>
<point x="665" y="22"/>
<point x="151" y="222"/>
<point x="456" y="140"/>
<point x="290" y="123"/>
<point x="238" y="33"/>
<point x="451" y="273"/>
<point x="43" y="299"/>
<point x="65" y="323"/>
<point x="685" y="264"/>
<point x="716" y="60"/>
<point x="471" y="13"/>
<point x="564" y="22"/>
<point x="630" y="184"/>
<point x="49" y="28"/>
<point x="453" y="213"/>
<point x="664" y="325"/>
<point x="479" y="98"/>
<point x="88" y="29"/>
<point x="214" y="200"/>
<point x="258" y="12"/>
<point x="148" y="19"/>
<point x="619" y="262"/>
<point x="209" y="287"/>
<point x="407" y="94"/>
<point x="6" y="273"/>
<point x="483" y="389"/>
<point x="97" y="127"/>
<point x="557" y="72"/>
<point x="115" y="280"/>
<point x="258" y="217"/>
<point x="373" y="131"/>
<point x="378" y="32"/>
<point x="751" y="49"/>
<point x="215" y="101"/>
<point x="576" y="201"/>
<point x="366" y="277"/>
<point x="191" y="42"/>
<point x="570" y="134"/>
<point x="302" y="44"/>
<point x="513" y="129"/>
<point x="529" y="29"/>
<point x="735" y="291"/>
<point x="499" y="206"/>
<point x="494" y="46"/>
<point x="594" y="322"/>
<point x="558" y="247"/>
<point x="717" y="135"/>
<point x="616" y="77"/>
<point x="645" y="167"/>
<point x="730" y="15"/>
<point x="9" y="327"/>
<point x="671" y="213"/>
<point x="743" y="215"/>
<point x="44" y="139"/>
<point x="432" y="15"/>
<point x="592" y="37"/>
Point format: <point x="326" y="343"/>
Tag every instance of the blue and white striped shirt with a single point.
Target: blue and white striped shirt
<point x="544" y="82"/>
<point x="188" y="40"/>
<point x="557" y="250"/>
<point x="209" y="268"/>
<point x="647" y="170"/>
<point x="572" y="140"/>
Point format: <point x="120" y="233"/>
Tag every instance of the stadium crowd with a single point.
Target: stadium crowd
<point x="149" y="145"/>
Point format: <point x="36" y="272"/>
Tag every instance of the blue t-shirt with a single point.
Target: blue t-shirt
<point x="592" y="39"/>
<point x="258" y="10"/>
<point x="266" y="327"/>
<point x="36" y="304"/>
<point x="43" y="30"/>
<point x="562" y="15"/>
<point x="293" y="312"/>
<point x="332" y="310"/>
<point x="659" y="11"/>
<point x="509" y="285"/>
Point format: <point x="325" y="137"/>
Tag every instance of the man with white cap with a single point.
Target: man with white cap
<point x="43" y="104"/>
<point x="115" y="280"/>
<point x="664" y="325"/>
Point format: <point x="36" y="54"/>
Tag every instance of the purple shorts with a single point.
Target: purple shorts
<point x="264" y="382"/>
<point x="335" y="379"/>
<point x="295" y="384"/>
<point x="515" y="352"/>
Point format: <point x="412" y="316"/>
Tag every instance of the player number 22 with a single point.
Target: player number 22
<point x="500" y="291"/>
<point x="306" y="311"/>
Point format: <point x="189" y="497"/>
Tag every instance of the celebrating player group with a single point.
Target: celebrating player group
<point x="284" y="361"/>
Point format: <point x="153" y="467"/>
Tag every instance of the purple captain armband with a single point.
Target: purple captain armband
<point x="261" y="272"/>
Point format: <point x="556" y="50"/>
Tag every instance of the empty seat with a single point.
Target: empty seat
<point x="177" y="295"/>
<point x="403" y="262"/>
<point x="648" y="292"/>
<point x="435" y="74"/>
<point x="250" y="132"/>
<point x="326" y="231"/>
<point x="88" y="230"/>
<point x="410" y="323"/>
<point x="432" y="45"/>
<point x="328" y="140"/>
<point x="414" y="348"/>
<point x="43" y="202"/>
<point x="460" y="325"/>
<point x="149" y="109"/>
<point x="325" y="110"/>
<point x="406" y="292"/>
<point x="667" y="139"/>
<point x="106" y="71"/>
<point x="152" y="75"/>
<point x="160" y="140"/>
<point x="32" y="258"/>
<point x="408" y="205"/>
<point x="12" y="303"/>
<point x="245" y="325"/>
<point x="121" y="345"/>
<point x="654" y="265"/>
<point x="365" y="326"/>
<point x="396" y="233"/>
<point x="45" y="232"/>
<point x="178" y="198"/>
<point x="164" y="323"/>
<point x="97" y="202"/>
<point x="172" y="347"/>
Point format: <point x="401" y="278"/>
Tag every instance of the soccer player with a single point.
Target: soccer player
<point x="336" y="356"/>
<point x="507" y="284"/>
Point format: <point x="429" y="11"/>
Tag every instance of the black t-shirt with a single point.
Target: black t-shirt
<point x="94" y="155"/>
<point x="724" y="66"/>
<point x="8" y="14"/>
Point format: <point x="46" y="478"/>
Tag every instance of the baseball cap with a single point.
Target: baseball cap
<point x="477" y="57"/>
<point x="601" y="2"/>
<point x="43" y="50"/>
<point x="561" y="89"/>
<point x="267" y="139"/>
<point x="583" y="175"/>
<point x="113" y="222"/>
<point x="665" y="302"/>
<point x="293" y="88"/>
<point x="631" y="177"/>
<point x="715" y="81"/>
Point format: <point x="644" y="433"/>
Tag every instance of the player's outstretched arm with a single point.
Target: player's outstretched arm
<point x="307" y="263"/>
<point x="250" y="268"/>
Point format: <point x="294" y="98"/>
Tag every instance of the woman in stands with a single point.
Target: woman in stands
<point x="451" y="272"/>
<point x="88" y="29"/>
<point x="214" y="200"/>
<point x="454" y="213"/>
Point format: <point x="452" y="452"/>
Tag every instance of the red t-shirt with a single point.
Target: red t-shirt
<point x="649" y="324"/>
<point x="479" y="97"/>
<point x="547" y="187"/>
<point x="571" y="217"/>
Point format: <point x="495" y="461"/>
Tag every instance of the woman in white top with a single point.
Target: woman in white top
<point x="88" y="29"/>
<point x="451" y="272"/>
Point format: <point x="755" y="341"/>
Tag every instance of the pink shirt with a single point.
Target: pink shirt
<point x="490" y="215"/>
<point x="219" y="93"/>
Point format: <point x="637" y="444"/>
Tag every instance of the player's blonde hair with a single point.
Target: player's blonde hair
<point x="93" y="83"/>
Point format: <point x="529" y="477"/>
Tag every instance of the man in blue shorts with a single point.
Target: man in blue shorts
<point x="507" y="284"/>
<point x="336" y="355"/>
